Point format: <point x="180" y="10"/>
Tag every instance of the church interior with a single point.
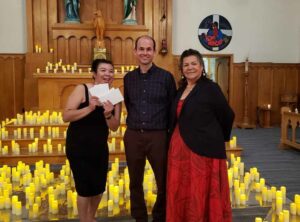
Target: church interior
<point x="43" y="56"/>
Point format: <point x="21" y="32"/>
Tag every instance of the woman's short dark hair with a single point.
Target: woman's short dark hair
<point x="97" y="62"/>
<point x="187" y="53"/>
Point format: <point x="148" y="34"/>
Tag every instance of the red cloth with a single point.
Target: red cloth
<point x="197" y="186"/>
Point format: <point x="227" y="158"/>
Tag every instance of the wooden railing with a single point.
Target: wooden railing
<point x="292" y="120"/>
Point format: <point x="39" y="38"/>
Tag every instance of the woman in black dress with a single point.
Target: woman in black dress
<point x="86" y="143"/>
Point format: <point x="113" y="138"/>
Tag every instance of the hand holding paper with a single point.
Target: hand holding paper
<point x="103" y="92"/>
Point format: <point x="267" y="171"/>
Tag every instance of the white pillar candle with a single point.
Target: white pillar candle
<point x="278" y="205"/>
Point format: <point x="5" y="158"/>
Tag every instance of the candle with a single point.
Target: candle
<point x="51" y="50"/>
<point x="264" y="194"/>
<point x="293" y="209"/>
<point x="243" y="199"/>
<point x="286" y="216"/>
<point x="7" y="203"/>
<point x="40" y="50"/>
<point x="278" y="205"/>
<point x="122" y="69"/>
<point x="110" y="205"/>
<point x="283" y="192"/>
<point x="1" y="202"/>
<point x="36" y="48"/>
<point x="38" y="70"/>
<point x="246" y="65"/>
<point x="35" y="210"/>
<point x="69" y="198"/>
<point x="116" y="194"/>
<point x="258" y="219"/>
<point x="54" y="207"/>
<point x="18" y="210"/>
<point x="257" y="187"/>
<point x="273" y="189"/>
<point x="38" y="200"/>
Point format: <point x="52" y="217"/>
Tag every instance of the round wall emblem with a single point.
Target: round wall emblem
<point x="215" y="32"/>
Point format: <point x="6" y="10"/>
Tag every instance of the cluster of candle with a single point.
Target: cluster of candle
<point x="4" y="133"/>
<point x="38" y="49"/>
<point x="126" y="68"/>
<point x="112" y="145"/>
<point x="48" y="147"/>
<point x="241" y="184"/>
<point x="15" y="147"/>
<point x="60" y="67"/>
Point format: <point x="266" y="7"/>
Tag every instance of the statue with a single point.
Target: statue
<point x="72" y="11"/>
<point x="130" y="12"/>
<point x="99" y="25"/>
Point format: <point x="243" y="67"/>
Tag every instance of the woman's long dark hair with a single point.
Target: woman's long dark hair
<point x="187" y="53"/>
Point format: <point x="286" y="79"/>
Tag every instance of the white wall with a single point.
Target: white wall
<point x="264" y="31"/>
<point x="13" y="26"/>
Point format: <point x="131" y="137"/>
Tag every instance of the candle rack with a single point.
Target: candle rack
<point x="245" y="122"/>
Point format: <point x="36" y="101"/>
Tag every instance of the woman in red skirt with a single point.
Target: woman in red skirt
<point x="201" y="122"/>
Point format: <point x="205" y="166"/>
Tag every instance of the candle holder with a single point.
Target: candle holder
<point x="246" y="123"/>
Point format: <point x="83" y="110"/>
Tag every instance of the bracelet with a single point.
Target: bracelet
<point x="108" y="117"/>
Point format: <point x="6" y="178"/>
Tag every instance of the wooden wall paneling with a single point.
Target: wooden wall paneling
<point x="60" y="11"/>
<point x="117" y="51"/>
<point x="44" y="25"/>
<point x="117" y="11"/>
<point x="60" y="51"/>
<point x="66" y="49"/>
<point x="265" y="85"/>
<point x="78" y="51"/>
<point x="72" y="50"/>
<point x="237" y="93"/>
<point x="87" y="9"/>
<point x="129" y="57"/>
<point x="252" y="94"/>
<point x="148" y="11"/>
<point x="11" y="85"/>
<point x="85" y="51"/>
<point x="291" y="80"/>
<point x="278" y="89"/>
<point x="37" y="24"/>
<point x="52" y="19"/>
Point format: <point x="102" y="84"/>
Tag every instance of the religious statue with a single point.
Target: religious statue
<point x="72" y="11"/>
<point x="99" y="25"/>
<point x="130" y="12"/>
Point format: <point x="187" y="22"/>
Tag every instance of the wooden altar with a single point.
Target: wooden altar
<point x="54" y="89"/>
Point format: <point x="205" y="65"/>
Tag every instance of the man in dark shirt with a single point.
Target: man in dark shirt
<point x="148" y="93"/>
